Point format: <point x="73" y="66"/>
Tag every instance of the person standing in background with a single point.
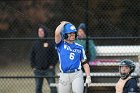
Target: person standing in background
<point x="43" y="59"/>
<point x="91" y="46"/>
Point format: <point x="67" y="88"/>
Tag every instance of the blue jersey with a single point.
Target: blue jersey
<point x="70" y="55"/>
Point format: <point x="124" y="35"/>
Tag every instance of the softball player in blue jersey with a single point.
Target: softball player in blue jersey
<point x="71" y="56"/>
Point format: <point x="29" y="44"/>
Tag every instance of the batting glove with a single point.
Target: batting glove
<point x="88" y="80"/>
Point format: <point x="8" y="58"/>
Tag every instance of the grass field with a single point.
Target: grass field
<point x="21" y="85"/>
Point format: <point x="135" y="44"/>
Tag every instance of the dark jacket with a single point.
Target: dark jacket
<point x="42" y="57"/>
<point x="131" y="86"/>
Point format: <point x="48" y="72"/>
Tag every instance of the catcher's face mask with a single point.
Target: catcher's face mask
<point x="126" y="67"/>
<point x="124" y="71"/>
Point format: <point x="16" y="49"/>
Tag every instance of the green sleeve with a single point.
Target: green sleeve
<point x="92" y="50"/>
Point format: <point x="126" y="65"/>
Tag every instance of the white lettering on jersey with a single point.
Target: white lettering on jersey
<point x="74" y="50"/>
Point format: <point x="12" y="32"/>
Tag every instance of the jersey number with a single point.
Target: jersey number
<point x="72" y="56"/>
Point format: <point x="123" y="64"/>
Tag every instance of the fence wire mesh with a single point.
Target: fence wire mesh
<point x="109" y="22"/>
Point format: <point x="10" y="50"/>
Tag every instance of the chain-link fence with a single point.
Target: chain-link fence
<point x="109" y="22"/>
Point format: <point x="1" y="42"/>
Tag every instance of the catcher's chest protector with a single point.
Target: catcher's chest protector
<point x="120" y="85"/>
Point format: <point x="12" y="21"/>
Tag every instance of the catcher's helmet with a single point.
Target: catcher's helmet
<point x="128" y="63"/>
<point x="68" y="28"/>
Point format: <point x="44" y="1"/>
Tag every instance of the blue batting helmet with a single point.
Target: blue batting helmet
<point x="68" y="28"/>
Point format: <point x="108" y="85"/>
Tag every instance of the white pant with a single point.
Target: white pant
<point x="71" y="82"/>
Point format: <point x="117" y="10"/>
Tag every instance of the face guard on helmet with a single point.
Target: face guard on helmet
<point x="128" y="63"/>
<point x="68" y="28"/>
